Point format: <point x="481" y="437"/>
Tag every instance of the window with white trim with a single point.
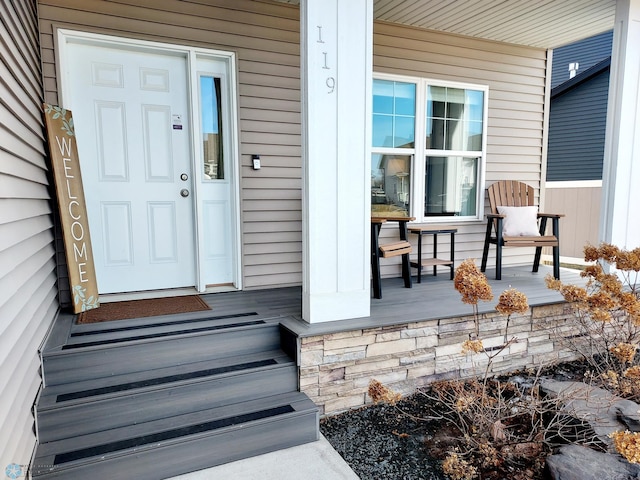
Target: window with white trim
<point x="428" y="148"/>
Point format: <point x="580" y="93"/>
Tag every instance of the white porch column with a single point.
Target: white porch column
<point x="336" y="55"/>
<point x="619" y="222"/>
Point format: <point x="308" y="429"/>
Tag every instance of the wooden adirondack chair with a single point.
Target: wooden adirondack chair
<point x="517" y="194"/>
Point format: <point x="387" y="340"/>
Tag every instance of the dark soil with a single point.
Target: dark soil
<point x="401" y="442"/>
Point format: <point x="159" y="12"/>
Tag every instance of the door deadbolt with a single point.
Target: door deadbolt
<point x="184" y="192"/>
<point x="184" y="177"/>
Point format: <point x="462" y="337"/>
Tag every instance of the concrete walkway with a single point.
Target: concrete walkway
<point x="311" y="461"/>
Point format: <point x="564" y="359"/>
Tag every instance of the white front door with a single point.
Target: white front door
<point x="131" y="113"/>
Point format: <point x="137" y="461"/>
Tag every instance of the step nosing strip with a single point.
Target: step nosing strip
<point x="142" y="440"/>
<point x="162" y="324"/>
<point x="163" y="380"/>
<point x="151" y="336"/>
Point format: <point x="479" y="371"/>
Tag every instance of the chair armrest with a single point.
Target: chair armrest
<point x="495" y="215"/>
<point x="550" y="215"/>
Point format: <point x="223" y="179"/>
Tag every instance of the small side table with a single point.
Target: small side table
<point x="434" y="261"/>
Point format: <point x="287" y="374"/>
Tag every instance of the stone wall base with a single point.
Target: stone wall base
<point x="335" y="369"/>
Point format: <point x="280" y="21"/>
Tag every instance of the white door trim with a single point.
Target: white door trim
<point x="65" y="36"/>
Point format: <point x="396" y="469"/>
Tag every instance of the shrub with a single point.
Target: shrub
<point x="500" y="423"/>
<point x="606" y="331"/>
<point x="607" y="313"/>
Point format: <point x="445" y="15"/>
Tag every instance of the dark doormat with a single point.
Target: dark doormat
<point x="143" y="308"/>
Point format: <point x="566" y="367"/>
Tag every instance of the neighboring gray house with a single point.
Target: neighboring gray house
<point x="577" y="121"/>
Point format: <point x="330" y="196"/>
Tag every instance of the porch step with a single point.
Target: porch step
<point x="105" y="353"/>
<point x="157" y="397"/>
<point x="91" y="406"/>
<point x="189" y="442"/>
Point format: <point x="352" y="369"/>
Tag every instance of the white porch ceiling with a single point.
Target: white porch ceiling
<point x="537" y="23"/>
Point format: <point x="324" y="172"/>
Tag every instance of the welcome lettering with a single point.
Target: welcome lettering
<point x="77" y="229"/>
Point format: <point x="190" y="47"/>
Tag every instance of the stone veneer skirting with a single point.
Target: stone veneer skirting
<point x="335" y="369"/>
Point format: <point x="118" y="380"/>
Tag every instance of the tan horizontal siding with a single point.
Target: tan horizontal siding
<point x="268" y="116"/>
<point x="268" y="92"/>
<point x="287" y="150"/>
<point x="266" y="39"/>
<point x="277" y="216"/>
<point x="506" y="132"/>
<point x="271" y="76"/>
<point x="265" y="248"/>
<point x="259" y="206"/>
<point x="273" y="184"/>
<point x="257" y="227"/>
<point x="517" y="124"/>
<point x="278" y="167"/>
<point x="272" y="237"/>
<point x="283" y="257"/>
<point x="270" y="127"/>
<point x="273" y="269"/>
<point x="28" y="290"/>
<point x="261" y="280"/>
<point x="279" y="105"/>
<point x="262" y="138"/>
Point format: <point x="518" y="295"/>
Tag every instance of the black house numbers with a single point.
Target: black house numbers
<point x="330" y="81"/>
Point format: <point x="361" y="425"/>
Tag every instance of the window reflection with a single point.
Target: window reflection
<point x="451" y="186"/>
<point x="210" y="106"/>
<point x="390" y="183"/>
<point x="454" y="119"/>
<point x="394" y="113"/>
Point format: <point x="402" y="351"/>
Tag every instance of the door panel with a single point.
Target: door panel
<point x="112" y="154"/>
<point x="117" y="235"/>
<point x="128" y="107"/>
<point x="162" y="232"/>
<point x="158" y="158"/>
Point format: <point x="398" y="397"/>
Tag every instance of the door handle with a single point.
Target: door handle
<point x="184" y="192"/>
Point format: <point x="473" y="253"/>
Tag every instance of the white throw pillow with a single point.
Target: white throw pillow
<point x="519" y="221"/>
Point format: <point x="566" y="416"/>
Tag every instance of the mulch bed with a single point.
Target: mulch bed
<point x="379" y="442"/>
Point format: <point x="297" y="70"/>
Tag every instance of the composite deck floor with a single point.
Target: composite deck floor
<point x="434" y="298"/>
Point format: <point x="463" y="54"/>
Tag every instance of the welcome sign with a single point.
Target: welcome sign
<point x="73" y="211"/>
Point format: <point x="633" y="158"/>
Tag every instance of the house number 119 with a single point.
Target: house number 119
<point x="331" y="81"/>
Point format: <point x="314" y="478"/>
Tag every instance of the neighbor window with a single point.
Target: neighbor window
<point x="435" y="173"/>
